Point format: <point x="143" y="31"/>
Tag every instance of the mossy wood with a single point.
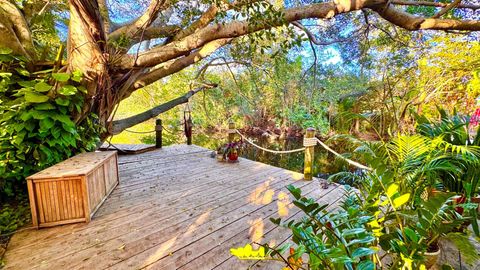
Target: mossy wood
<point x="72" y="191"/>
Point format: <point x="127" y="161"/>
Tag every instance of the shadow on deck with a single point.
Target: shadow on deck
<point x="175" y="208"/>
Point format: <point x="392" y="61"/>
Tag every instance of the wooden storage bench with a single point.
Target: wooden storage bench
<point x="72" y="191"/>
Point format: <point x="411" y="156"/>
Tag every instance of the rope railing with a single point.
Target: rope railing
<point x="308" y="142"/>
<point x="139" y="132"/>
<point x="349" y="161"/>
<point x="268" y="150"/>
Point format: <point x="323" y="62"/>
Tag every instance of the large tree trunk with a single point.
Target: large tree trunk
<point x="88" y="53"/>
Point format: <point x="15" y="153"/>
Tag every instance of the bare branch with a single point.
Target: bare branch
<point x="122" y="124"/>
<point x="315" y="41"/>
<point x="236" y="29"/>
<point x="413" y="23"/>
<point x="153" y="32"/>
<point x="135" y="28"/>
<point x="432" y="4"/>
<point x="321" y="10"/>
<point x="203" y="21"/>
<point x="176" y="65"/>
<point x="447" y="8"/>
<point x="14" y="31"/>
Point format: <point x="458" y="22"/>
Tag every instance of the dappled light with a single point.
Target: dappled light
<point x="283" y="204"/>
<point x="256" y="230"/>
<point x="262" y="194"/>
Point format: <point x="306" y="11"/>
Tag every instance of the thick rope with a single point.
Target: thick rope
<point x="349" y="161"/>
<point x="309" y="141"/>
<point x="265" y="149"/>
<point x="139" y="132"/>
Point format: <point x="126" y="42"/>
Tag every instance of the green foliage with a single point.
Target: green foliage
<point x="407" y="214"/>
<point x="13" y="217"/>
<point x="36" y="125"/>
<point x="331" y="240"/>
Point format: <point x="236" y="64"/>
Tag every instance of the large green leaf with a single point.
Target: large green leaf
<point x="34" y="97"/>
<point x="68" y="90"/>
<point x="61" y="77"/>
<point x="46" y="124"/>
<point x="62" y="101"/>
<point x="362" y="252"/>
<point x="366" y="265"/>
<point x="42" y="87"/>
<point x="4" y="50"/>
<point x="44" y="106"/>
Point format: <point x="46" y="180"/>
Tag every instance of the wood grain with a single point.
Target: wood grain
<point x="174" y="208"/>
<point x="73" y="190"/>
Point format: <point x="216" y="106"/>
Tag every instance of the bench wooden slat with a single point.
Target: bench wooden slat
<point x="79" y="165"/>
<point x="73" y="190"/>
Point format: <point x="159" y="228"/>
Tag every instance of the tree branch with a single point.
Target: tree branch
<point x="176" y="65"/>
<point x="321" y="11"/>
<point x="413" y="23"/>
<point x="122" y="124"/>
<point x="447" y="8"/>
<point x="236" y="29"/>
<point x="14" y="31"/>
<point x="132" y="30"/>
<point x="315" y="41"/>
<point x="432" y="4"/>
<point x="203" y="21"/>
<point x="153" y="32"/>
<point x="102" y="4"/>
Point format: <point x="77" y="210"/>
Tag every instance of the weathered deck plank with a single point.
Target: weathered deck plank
<point x="175" y="208"/>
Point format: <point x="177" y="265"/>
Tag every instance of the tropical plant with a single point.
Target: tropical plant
<point x="452" y="132"/>
<point x="36" y="128"/>
<point x="331" y="240"/>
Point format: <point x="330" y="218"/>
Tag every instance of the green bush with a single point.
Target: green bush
<point x="36" y="125"/>
<point x="13" y="217"/>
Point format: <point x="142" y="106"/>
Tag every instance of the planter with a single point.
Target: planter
<point x="232" y="157"/>
<point x="431" y="258"/>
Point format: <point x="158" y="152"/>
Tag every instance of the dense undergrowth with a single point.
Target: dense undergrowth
<point x="36" y="130"/>
<point x="421" y="188"/>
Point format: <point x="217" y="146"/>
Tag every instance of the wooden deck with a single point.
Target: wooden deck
<point x="175" y="208"/>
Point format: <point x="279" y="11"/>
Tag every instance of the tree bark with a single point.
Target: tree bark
<point x="87" y="52"/>
<point x="14" y="31"/>
<point x="122" y="124"/>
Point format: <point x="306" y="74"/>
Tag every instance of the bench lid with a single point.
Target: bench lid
<point x="79" y="165"/>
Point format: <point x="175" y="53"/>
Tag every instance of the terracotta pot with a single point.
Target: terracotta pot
<point x="431" y="258"/>
<point x="233" y="156"/>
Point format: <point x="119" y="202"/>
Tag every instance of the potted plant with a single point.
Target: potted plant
<point x="232" y="150"/>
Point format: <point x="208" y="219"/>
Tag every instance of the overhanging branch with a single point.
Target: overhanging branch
<point x="324" y="10"/>
<point x="432" y="4"/>
<point x="122" y="124"/>
<point x="132" y="30"/>
<point x="178" y="64"/>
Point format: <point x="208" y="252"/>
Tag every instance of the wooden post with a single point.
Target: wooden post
<point x="158" y="133"/>
<point x="231" y="133"/>
<point x="309" y="156"/>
